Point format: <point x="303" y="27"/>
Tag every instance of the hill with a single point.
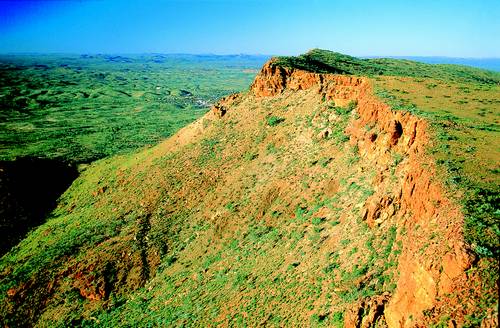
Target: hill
<point x="58" y="112"/>
<point x="315" y="198"/>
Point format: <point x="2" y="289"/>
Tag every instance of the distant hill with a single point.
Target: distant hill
<point x="492" y="64"/>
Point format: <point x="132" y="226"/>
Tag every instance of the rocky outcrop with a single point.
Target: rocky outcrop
<point x="434" y="256"/>
<point x="423" y="210"/>
<point x="274" y="79"/>
<point x="367" y="313"/>
<point x="222" y="106"/>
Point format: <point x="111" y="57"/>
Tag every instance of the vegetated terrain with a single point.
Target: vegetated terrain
<point x="462" y="105"/>
<point x="491" y="64"/>
<point x="83" y="108"/>
<point x="321" y="61"/>
<point x="59" y="111"/>
<point x="311" y="199"/>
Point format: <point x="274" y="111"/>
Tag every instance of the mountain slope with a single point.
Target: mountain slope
<point x="306" y="200"/>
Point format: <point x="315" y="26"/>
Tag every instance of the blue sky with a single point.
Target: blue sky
<point x="364" y="28"/>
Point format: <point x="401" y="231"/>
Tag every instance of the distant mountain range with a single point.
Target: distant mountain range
<point x="492" y="64"/>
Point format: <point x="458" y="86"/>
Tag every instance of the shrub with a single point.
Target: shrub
<point x="271" y="148"/>
<point x="352" y="105"/>
<point x="317" y="221"/>
<point x="338" y="319"/>
<point x="249" y="156"/>
<point x="274" y="120"/>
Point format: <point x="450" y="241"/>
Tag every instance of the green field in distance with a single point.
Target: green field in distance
<point x="79" y="108"/>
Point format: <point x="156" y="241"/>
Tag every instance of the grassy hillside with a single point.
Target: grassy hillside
<point x="463" y="107"/>
<point x="324" y="61"/>
<point x="58" y="111"/>
<point x="465" y="121"/>
<point x="206" y="247"/>
<point x="258" y="217"/>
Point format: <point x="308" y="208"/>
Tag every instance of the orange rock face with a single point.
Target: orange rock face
<point x="274" y="79"/>
<point x="420" y="203"/>
<point x="221" y="107"/>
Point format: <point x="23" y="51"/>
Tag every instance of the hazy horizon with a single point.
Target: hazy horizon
<point x="492" y="64"/>
<point x="226" y="54"/>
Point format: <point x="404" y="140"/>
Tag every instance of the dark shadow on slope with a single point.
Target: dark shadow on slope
<point x="29" y="189"/>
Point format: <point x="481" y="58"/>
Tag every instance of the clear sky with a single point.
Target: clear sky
<point x="453" y="28"/>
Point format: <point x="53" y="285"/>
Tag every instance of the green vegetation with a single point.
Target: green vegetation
<point x="62" y="111"/>
<point x="82" y="108"/>
<point x="274" y="120"/>
<point x="267" y="216"/>
<point x="196" y="234"/>
<point x="324" y="61"/>
<point x="461" y="126"/>
<point x="465" y="146"/>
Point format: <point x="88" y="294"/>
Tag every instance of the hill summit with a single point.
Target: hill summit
<point x="314" y="198"/>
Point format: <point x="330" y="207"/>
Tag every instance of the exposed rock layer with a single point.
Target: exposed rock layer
<point x="420" y="202"/>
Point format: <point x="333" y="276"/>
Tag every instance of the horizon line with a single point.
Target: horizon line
<point x="21" y="53"/>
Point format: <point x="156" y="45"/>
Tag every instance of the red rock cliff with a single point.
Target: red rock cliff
<point x="428" y="269"/>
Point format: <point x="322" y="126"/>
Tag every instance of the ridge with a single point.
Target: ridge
<point x="308" y="198"/>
